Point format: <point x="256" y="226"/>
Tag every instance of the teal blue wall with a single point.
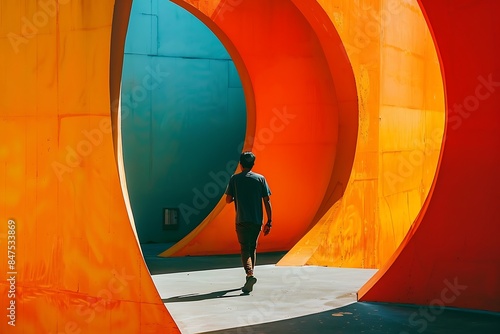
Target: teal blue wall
<point x="184" y="118"/>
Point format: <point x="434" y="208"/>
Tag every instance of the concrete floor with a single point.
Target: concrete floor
<point x="208" y="300"/>
<point x="203" y="294"/>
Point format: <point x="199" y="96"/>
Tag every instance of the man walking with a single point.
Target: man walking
<point x="249" y="190"/>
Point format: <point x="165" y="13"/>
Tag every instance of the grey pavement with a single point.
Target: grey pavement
<point x="208" y="300"/>
<point x="203" y="295"/>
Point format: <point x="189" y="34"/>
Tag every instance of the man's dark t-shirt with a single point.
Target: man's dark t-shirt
<point x="248" y="189"/>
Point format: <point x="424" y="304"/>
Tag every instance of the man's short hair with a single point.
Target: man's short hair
<point x="247" y="159"/>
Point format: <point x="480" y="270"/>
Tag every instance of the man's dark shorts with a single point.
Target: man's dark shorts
<point x="248" y="234"/>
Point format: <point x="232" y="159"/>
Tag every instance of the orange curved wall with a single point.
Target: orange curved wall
<point x="401" y="122"/>
<point x="76" y="262"/>
<point x="70" y="272"/>
<point x="297" y="107"/>
<point x="451" y="255"/>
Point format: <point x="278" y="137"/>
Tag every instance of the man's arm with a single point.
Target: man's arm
<point x="269" y="213"/>
<point x="230" y="191"/>
<point x="230" y="199"/>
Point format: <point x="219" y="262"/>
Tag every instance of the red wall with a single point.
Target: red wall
<point x="451" y="256"/>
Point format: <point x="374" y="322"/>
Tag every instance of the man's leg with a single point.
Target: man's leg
<point x="243" y="232"/>
<point x="248" y="235"/>
<point x="252" y="245"/>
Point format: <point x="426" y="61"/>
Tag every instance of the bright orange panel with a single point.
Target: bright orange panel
<point x="451" y="255"/>
<point x="401" y="121"/>
<point x="74" y="258"/>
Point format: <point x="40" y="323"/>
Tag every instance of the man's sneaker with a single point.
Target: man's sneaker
<point x="248" y="287"/>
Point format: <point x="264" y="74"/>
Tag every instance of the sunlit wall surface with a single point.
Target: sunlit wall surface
<point x="77" y="263"/>
<point x="401" y="125"/>
<point x="400" y="114"/>
<point x="183" y="118"/>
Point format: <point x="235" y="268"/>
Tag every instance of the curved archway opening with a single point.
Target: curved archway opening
<point x="389" y="85"/>
<point x="183" y="119"/>
<point x="306" y="100"/>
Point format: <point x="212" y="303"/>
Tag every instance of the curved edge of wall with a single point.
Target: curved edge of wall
<point x="210" y="239"/>
<point x="178" y="247"/>
<point x="454" y="240"/>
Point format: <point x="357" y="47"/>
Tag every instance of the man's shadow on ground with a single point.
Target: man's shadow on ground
<point x="196" y="297"/>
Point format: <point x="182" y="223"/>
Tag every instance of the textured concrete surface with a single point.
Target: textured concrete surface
<point x="208" y="300"/>
<point x="203" y="294"/>
<point x="379" y="318"/>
